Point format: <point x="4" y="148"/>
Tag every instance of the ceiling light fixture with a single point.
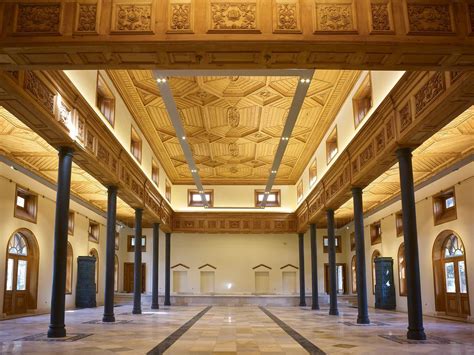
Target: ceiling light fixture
<point x="305" y="80"/>
<point x="161" y="80"/>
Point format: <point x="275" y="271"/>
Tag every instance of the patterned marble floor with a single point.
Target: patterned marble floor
<point x="233" y="330"/>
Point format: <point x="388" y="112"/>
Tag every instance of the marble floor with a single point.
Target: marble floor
<point x="233" y="330"/>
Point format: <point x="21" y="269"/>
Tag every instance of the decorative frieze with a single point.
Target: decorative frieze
<point x="429" y="92"/>
<point x="381" y="17"/>
<point x="180" y="16"/>
<point x="132" y="17"/>
<point x="42" y="18"/>
<point x="87" y="15"/>
<point x="234" y="16"/>
<point x="425" y="18"/>
<point x="404" y="116"/>
<point x="42" y="94"/>
<point x="334" y="16"/>
<point x="286" y="16"/>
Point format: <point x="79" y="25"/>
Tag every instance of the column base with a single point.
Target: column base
<point x="167" y="303"/>
<point x="137" y="311"/>
<point x="333" y="312"/>
<point x="315" y="307"/>
<point x="155" y="306"/>
<point x="363" y="320"/>
<point x="418" y="334"/>
<point x="108" y="318"/>
<point x="56" y="331"/>
<point x="302" y="304"/>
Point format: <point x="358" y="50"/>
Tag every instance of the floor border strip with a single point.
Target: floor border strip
<point x="305" y="343"/>
<point x="173" y="337"/>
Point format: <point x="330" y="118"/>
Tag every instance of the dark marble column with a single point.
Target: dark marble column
<point x="57" y="328"/>
<point x="302" y="283"/>
<point x="137" y="267"/>
<point x="110" y="255"/>
<point x="410" y="238"/>
<point x="154" y="286"/>
<point x="167" y="268"/>
<point x="363" y="315"/>
<point x="314" y="268"/>
<point x="332" y="264"/>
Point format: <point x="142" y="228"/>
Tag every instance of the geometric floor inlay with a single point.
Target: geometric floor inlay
<point x="44" y="337"/>
<point x="402" y="339"/>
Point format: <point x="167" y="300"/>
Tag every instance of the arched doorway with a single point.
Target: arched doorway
<point x="21" y="273"/>
<point x="354" y="274"/>
<point x="376" y="254"/>
<point x="450" y="279"/>
<point x="93" y="252"/>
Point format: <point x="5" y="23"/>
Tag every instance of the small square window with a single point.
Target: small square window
<point x="26" y="204"/>
<point x="94" y="232"/>
<point x="273" y="198"/>
<point x="136" y="145"/>
<point x="155" y="172"/>
<point x="131" y="243"/>
<point x="70" y="223"/>
<point x="444" y="207"/>
<point x="449" y="202"/>
<point x="362" y="100"/>
<point x="331" y="145"/>
<point x="105" y="100"/>
<point x="337" y="241"/>
<point x="195" y="198"/>
<point x="376" y="233"/>
<point x="399" y="223"/>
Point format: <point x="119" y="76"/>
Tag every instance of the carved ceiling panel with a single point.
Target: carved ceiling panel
<point x="234" y="123"/>
<point x="446" y="147"/>
<point x="19" y="143"/>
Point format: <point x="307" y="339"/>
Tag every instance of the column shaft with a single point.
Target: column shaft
<point x="332" y="264"/>
<point x="57" y="328"/>
<point x="414" y="303"/>
<point x="302" y="283"/>
<point x="110" y="255"/>
<point x="137" y="267"/>
<point x="154" y="288"/>
<point x="363" y="315"/>
<point x="314" y="268"/>
<point x="167" y="268"/>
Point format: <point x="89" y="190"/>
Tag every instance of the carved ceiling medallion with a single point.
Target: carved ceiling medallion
<point x="233" y="117"/>
<point x="234" y="16"/>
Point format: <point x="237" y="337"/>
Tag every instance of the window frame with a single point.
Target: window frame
<point x="135" y="139"/>
<point x="30" y="210"/>
<point x="442" y="214"/>
<point x="338" y="241"/>
<point x="332" y="140"/>
<point x="399" y="223"/>
<point x="168" y="190"/>
<point x="364" y="89"/>
<point x="313" y="172"/>
<point x="276" y="192"/>
<point x="71" y="222"/>
<point x="299" y="191"/>
<point x="155" y="172"/>
<point x="93" y="235"/>
<point x="99" y="90"/>
<point x="131" y="247"/>
<point x="376" y="233"/>
<point x="192" y="192"/>
<point x="352" y="238"/>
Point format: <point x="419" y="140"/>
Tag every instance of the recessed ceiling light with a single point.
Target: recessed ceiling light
<point x="161" y="80"/>
<point x="183" y="138"/>
<point x="273" y="171"/>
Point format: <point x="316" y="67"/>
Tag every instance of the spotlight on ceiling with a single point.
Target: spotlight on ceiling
<point x="284" y="138"/>
<point x="193" y="170"/>
<point x="183" y="138"/>
<point x="161" y="80"/>
<point x="305" y="80"/>
<point x="274" y="171"/>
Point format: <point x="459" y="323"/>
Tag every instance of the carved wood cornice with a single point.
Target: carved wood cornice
<point x="229" y="222"/>
<point x="52" y="107"/>
<point x="247" y="33"/>
<point x="419" y="105"/>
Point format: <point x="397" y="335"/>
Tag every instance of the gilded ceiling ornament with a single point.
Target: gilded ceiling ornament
<point x="429" y="92"/>
<point x="180" y="18"/>
<point x="234" y="16"/>
<point x="405" y="117"/>
<point x="41" y="18"/>
<point x="234" y="149"/>
<point x="233" y="117"/>
<point x="332" y="17"/>
<point x="287" y="16"/>
<point x="87" y="18"/>
<point x="380" y="17"/>
<point x="39" y="90"/>
<point x="133" y="18"/>
<point x="429" y="18"/>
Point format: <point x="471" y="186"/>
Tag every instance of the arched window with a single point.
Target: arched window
<point x="69" y="262"/>
<point x="116" y="273"/>
<point x="95" y="255"/>
<point x="376" y="254"/>
<point x="449" y="266"/>
<point x="354" y="274"/>
<point x="21" y="273"/>
<point x="402" y="270"/>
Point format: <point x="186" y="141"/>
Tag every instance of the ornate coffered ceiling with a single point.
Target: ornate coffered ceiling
<point x="19" y="143"/>
<point x="446" y="147"/>
<point x="234" y="123"/>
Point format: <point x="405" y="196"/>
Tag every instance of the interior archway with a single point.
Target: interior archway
<point x="450" y="279"/>
<point x="21" y="273"/>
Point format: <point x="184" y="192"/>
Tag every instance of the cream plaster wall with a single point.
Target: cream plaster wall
<point x="234" y="196"/>
<point x="44" y="233"/>
<point x="86" y="82"/>
<point x="382" y="83"/>
<point x="463" y="182"/>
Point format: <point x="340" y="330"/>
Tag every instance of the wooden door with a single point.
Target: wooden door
<point x="16" y="292"/>
<point x="128" y="277"/>
<point x="457" y="296"/>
